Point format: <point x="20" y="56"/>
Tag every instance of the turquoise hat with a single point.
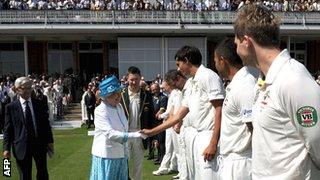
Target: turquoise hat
<point x="109" y="86"/>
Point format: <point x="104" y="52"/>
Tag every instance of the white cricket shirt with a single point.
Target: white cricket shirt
<point x="286" y="131"/>
<point x="235" y="136"/>
<point x="203" y="87"/>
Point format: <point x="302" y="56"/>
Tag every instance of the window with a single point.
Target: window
<point x="298" y="51"/>
<point x="60" y="46"/>
<point x="90" y="46"/>
<point x="11" y="58"/>
<point x="60" y="62"/>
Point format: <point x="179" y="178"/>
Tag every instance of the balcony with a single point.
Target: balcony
<point x="142" y="17"/>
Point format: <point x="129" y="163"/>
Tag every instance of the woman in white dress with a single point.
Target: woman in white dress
<point x="109" y="148"/>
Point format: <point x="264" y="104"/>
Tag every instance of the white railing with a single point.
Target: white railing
<point x="141" y="17"/>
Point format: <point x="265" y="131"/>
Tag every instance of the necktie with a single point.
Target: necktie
<point x="29" y="122"/>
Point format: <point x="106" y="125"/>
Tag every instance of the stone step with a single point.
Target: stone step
<point x="73" y="112"/>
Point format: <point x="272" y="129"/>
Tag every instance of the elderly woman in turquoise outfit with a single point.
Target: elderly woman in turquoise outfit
<point x="109" y="150"/>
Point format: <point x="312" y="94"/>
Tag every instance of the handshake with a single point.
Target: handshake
<point x="138" y="134"/>
<point x="144" y="133"/>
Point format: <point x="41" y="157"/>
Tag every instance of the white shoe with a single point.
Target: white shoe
<point x="176" y="176"/>
<point x="160" y="172"/>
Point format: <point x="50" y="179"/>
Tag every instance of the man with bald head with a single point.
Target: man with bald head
<point x="27" y="130"/>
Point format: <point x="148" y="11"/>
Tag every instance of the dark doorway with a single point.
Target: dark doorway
<point x="91" y="64"/>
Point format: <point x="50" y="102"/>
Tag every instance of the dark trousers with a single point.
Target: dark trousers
<point x="90" y="113"/>
<point x="162" y="145"/>
<point x="151" y="147"/>
<point x="25" y="165"/>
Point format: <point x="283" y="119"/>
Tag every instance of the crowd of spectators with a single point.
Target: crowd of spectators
<point x="198" y="5"/>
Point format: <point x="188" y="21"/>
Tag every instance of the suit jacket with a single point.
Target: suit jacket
<point x="159" y="102"/>
<point x="146" y="114"/>
<point x="90" y="100"/>
<point x="15" y="130"/>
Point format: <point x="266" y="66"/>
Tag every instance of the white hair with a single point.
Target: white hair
<point x="22" y="81"/>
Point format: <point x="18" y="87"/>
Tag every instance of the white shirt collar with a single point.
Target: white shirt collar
<point x="198" y="73"/>
<point x="276" y="66"/>
<point x="22" y="101"/>
<point x="130" y="93"/>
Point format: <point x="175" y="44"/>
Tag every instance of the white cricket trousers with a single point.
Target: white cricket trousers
<point x="182" y="162"/>
<point x="235" y="166"/>
<point x="204" y="170"/>
<point x="169" y="161"/>
<point x="136" y="151"/>
<point x="189" y="137"/>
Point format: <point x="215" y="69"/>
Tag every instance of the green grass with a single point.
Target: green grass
<point x="72" y="158"/>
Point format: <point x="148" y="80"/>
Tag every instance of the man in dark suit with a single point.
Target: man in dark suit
<point x="90" y="102"/>
<point x="27" y="131"/>
<point x="159" y="101"/>
<point x="137" y="104"/>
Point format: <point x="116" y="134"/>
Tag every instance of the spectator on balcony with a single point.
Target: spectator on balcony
<point x="70" y="5"/>
<point x="42" y="5"/>
<point x="225" y="6"/>
<point x="124" y="5"/>
<point x="147" y="5"/>
<point x="159" y="5"/>
<point x="169" y="6"/>
<point x="183" y="6"/>
<point x="314" y="4"/>
<point x="62" y="5"/>
<point x="191" y="5"/>
<point x="99" y="5"/>
<point x="135" y="5"/>
<point x="52" y="4"/>
<point x="310" y="6"/>
<point x="200" y="6"/>
<point x="15" y="5"/>
<point x="296" y="7"/>
<point x="285" y="5"/>
<point x="234" y="5"/>
<point x="241" y="4"/>
<point x="176" y="5"/>
<point x="278" y="6"/>
<point x="85" y="4"/>
<point x="33" y="4"/>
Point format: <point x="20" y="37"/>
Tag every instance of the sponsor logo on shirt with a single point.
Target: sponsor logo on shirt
<point x="307" y="116"/>
<point x="247" y="113"/>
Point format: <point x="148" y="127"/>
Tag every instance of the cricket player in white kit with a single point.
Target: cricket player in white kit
<point x="169" y="162"/>
<point x="176" y="80"/>
<point x="236" y="127"/>
<point x="202" y="102"/>
<point x="286" y="131"/>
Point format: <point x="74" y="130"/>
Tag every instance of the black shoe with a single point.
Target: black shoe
<point x="150" y="158"/>
<point x="156" y="162"/>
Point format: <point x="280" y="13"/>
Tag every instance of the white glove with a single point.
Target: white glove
<point x="137" y="135"/>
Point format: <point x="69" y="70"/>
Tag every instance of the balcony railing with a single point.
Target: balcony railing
<point x="142" y="17"/>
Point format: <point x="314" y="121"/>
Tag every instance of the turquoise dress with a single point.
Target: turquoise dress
<point x="109" y="169"/>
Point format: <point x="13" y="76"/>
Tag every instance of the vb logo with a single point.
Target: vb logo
<point x="307" y="116"/>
